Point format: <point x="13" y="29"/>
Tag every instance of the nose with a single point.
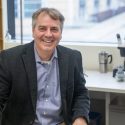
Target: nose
<point x="48" y="32"/>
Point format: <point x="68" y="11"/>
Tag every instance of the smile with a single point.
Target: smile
<point x="48" y="41"/>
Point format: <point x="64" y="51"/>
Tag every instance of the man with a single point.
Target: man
<point x="42" y="83"/>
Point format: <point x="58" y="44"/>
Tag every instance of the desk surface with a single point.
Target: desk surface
<point x="104" y="82"/>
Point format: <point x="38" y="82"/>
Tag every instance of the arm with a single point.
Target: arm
<point x="81" y="101"/>
<point x="4" y="84"/>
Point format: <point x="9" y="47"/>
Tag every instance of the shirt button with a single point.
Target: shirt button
<point x="46" y="100"/>
<point x="31" y="122"/>
<point x="44" y="113"/>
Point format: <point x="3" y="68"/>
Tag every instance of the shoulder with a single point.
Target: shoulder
<point x="66" y="50"/>
<point x="15" y="51"/>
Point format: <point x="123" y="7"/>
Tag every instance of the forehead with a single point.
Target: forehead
<point x="45" y="19"/>
<point x="44" y="15"/>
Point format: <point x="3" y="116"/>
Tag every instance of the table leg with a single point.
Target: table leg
<point x="107" y="103"/>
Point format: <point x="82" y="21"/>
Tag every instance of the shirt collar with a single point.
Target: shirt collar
<point x="38" y="59"/>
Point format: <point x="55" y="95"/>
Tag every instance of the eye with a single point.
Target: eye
<point x="54" y="29"/>
<point x="41" y="29"/>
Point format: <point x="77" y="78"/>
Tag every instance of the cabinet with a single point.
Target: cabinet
<point x="106" y="89"/>
<point x="1" y="27"/>
<point x="117" y="110"/>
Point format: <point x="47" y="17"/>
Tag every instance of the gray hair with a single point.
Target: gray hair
<point x="52" y="12"/>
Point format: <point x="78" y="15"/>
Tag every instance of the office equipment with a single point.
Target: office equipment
<point x="121" y="47"/>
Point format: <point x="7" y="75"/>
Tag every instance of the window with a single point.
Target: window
<point x="86" y="20"/>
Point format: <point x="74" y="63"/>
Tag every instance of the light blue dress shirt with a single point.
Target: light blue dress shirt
<point x="48" y="108"/>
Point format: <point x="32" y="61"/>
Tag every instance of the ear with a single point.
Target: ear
<point x="33" y="32"/>
<point x="60" y="37"/>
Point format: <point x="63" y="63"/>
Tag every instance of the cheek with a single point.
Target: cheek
<point x="58" y="37"/>
<point x="37" y="34"/>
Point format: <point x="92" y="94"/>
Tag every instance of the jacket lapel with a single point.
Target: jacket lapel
<point x="63" y="70"/>
<point x="63" y="73"/>
<point x="30" y="66"/>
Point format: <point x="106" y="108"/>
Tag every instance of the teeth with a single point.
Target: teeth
<point x="48" y="41"/>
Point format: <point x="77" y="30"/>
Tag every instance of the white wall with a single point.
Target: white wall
<point x="90" y="55"/>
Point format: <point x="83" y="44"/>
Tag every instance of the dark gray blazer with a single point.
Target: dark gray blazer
<point x="18" y="85"/>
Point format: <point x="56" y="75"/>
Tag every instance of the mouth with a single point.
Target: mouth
<point x="47" y="41"/>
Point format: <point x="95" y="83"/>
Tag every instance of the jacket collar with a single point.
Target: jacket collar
<point x="63" y="69"/>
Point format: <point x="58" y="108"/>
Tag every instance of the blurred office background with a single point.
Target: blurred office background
<point x="95" y="21"/>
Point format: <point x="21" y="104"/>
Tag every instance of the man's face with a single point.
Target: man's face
<point x="47" y="33"/>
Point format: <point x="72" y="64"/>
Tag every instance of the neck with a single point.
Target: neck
<point x="45" y="55"/>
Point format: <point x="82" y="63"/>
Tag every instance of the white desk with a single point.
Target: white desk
<point x="104" y="82"/>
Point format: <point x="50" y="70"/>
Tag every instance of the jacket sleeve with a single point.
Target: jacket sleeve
<point x="4" y="84"/>
<point x="81" y="101"/>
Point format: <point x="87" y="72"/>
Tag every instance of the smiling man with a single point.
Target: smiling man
<point x="42" y="83"/>
<point x="47" y="32"/>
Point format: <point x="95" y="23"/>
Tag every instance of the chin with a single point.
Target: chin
<point x="47" y="49"/>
